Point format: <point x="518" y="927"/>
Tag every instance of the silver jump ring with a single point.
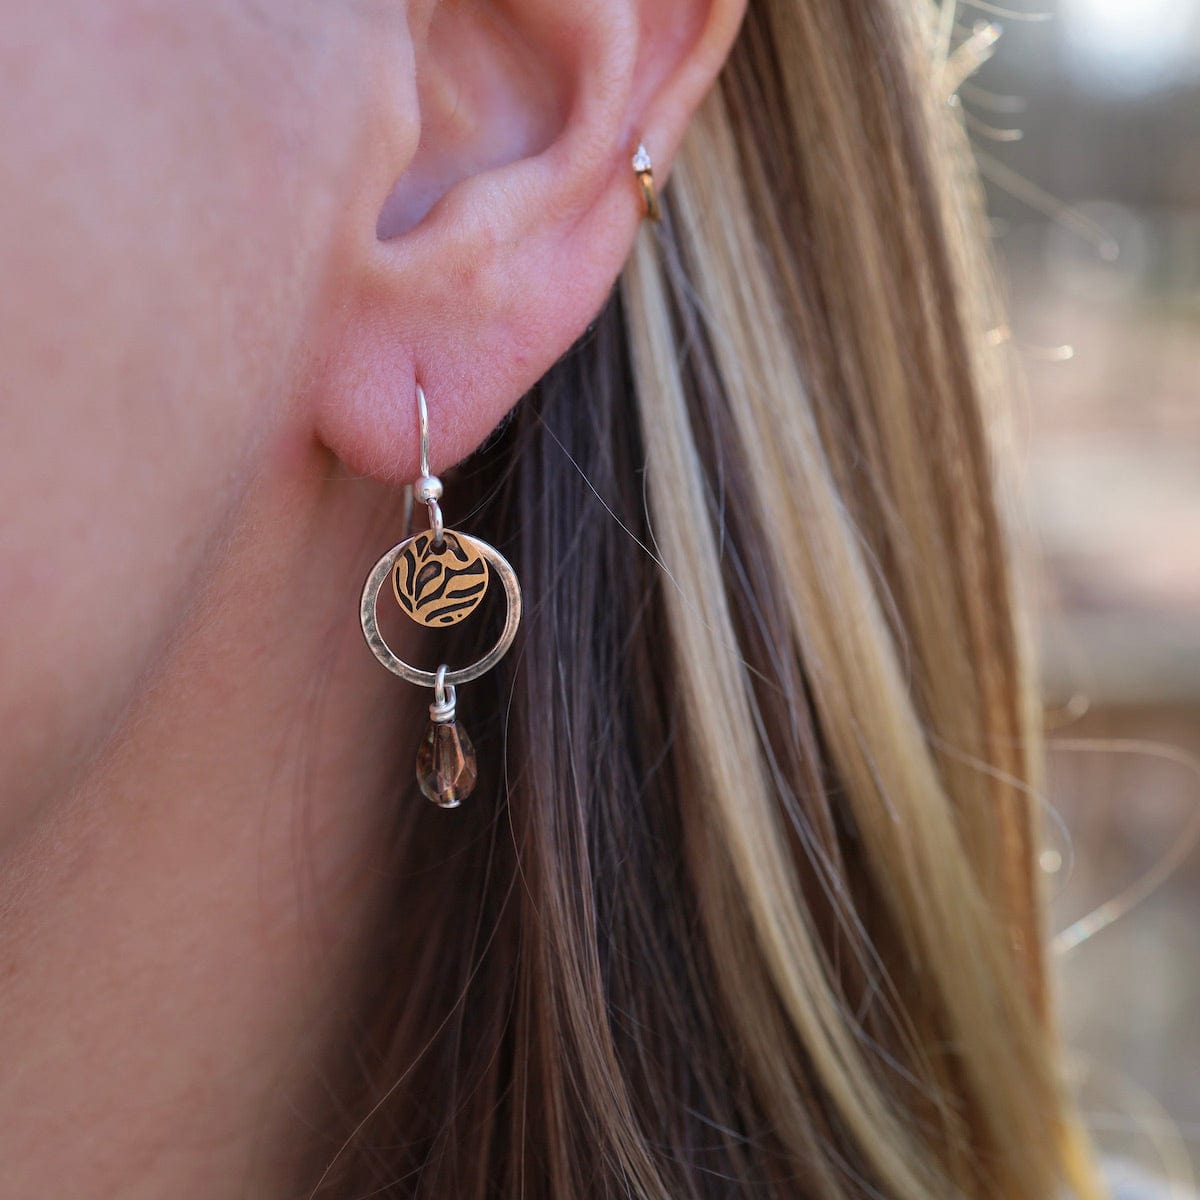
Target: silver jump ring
<point x="445" y="698"/>
<point x="436" y="524"/>
<point x="394" y="663"/>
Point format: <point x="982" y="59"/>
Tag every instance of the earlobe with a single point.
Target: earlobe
<point x="517" y="218"/>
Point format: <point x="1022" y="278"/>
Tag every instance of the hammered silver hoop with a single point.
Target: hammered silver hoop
<point x="370" y="622"/>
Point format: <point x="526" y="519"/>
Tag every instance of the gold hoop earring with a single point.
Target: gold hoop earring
<point x="439" y="577"/>
<point x="644" y="169"/>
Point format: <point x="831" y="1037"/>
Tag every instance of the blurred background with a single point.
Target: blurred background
<point x="1086" y="120"/>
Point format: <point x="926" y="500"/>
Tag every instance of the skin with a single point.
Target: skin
<point x="235" y="233"/>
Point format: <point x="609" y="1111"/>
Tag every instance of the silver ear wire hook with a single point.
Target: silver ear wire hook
<point x="428" y="488"/>
<point x="423" y="417"/>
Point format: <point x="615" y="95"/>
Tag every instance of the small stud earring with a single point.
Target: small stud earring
<point x="645" y="173"/>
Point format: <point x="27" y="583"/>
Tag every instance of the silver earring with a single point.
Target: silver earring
<point x="439" y="577"/>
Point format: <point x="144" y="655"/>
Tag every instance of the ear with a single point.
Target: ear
<point x="512" y="217"/>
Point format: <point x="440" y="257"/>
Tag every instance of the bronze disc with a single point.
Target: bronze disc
<point x="439" y="585"/>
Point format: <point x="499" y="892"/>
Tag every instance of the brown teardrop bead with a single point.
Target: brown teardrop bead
<point x="446" y="767"/>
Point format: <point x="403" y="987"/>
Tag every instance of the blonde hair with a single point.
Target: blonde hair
<point x="755" y="908"/>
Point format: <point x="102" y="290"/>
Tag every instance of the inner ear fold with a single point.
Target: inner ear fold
<point x="489" y="95"/>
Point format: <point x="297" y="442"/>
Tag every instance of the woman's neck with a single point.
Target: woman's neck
<point x="177" y="934"/>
